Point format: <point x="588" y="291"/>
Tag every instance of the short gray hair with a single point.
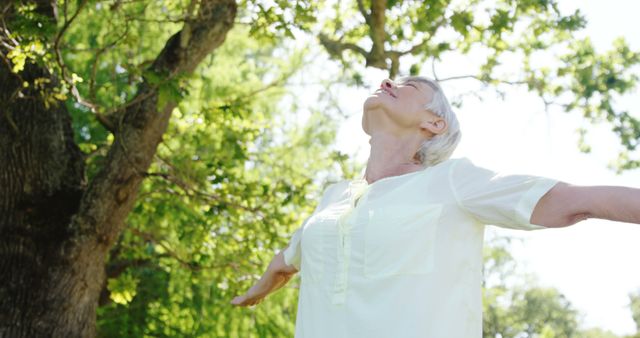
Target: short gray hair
<point x="440" y="147"/>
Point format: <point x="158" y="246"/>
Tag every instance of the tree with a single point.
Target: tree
<point x="634" y="306"/>
<point x="516" y="306"/>
<point x="56" y="228"/>
<point x="598" y="333"/>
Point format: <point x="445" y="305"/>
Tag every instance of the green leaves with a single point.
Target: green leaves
<point x="572" y="22"/>
<point x="461" y="22"/>
<point x="29" y="24"/>
<point x="500" y="21"/>
<point x="275" y="20"/>
<point x="123" y="288"/>
<point x="171" y="88"/>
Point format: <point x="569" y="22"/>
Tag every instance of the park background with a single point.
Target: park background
<point x="198" y="135"/>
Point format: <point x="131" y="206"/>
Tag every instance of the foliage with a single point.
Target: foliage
<point x="515" y="305"/>
<point x="534" y="37"/>
<point x="634" y="305"/>
<point x="598" y="333"/>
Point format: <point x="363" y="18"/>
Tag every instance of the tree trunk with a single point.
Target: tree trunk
<point x="41" y="182"/>
<point x="55" y="228"/>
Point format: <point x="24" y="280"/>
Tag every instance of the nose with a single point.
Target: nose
<point x="386" y="83"/>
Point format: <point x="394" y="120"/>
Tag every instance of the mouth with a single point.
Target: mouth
<point x="384" y="90"/>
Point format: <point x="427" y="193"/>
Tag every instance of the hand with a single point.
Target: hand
<point x="252" y="297"/>
<point x="272" y="280"/>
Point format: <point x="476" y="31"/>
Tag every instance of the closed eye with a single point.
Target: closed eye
<point x="412" y="85"/>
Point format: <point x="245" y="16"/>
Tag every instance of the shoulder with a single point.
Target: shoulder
<point x="335" y="185"/>
<point x="465" y="172"/>
<point x="453" y="162"/>
<point x="458" y="160"/>
<point x="334" y="189"/>
<point x="339" y="187"/>
<point x="463" y="163"/>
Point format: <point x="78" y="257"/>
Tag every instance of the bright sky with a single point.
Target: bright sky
<point x="593" y="263"/>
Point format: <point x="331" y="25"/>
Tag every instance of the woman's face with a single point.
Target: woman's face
<point x="399" y="109"/>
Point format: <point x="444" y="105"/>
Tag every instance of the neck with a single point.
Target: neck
<point x="390" y="156"/>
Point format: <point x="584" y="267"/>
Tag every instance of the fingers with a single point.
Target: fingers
<point x="244" y="300"/>
<point x="237" y="300"/>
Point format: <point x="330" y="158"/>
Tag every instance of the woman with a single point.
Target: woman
<point x="398" y="252"/>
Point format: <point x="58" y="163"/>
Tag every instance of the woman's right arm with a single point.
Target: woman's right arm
<point x="278" y="273"/>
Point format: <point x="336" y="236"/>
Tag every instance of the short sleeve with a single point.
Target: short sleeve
<point x="293" y="254"/>
<point x="496" y="199"/>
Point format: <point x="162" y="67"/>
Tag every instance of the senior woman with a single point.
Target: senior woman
<point x="397" y="253"/>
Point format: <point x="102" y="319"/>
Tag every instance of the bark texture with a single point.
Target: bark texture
<point x="56" y="229"/>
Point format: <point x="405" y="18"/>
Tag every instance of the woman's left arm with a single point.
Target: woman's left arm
<point x="566" y="204"/>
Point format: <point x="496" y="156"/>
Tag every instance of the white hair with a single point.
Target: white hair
<point x="439" y="147"/>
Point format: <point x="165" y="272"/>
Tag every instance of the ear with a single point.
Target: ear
<point x="434" y="126"/>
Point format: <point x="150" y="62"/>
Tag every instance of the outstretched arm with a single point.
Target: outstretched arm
<point x="276" y="276"/>
<point x="567" y="204"/>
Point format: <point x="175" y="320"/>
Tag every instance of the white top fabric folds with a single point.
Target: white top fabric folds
<point x="402" y="257"/>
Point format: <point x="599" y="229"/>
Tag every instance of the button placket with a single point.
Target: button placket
<point x="357" y="189"/>
<point x="344" y="251"/>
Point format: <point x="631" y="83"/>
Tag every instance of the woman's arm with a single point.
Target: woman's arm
<point x="276" y="276"/>
<point x="611" y="202"/>
<point x="566" y="204"/>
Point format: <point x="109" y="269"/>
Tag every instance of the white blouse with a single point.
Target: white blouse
<point x="402" y="257"/>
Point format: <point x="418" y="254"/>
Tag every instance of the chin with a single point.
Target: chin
<point x="371" y="102"/>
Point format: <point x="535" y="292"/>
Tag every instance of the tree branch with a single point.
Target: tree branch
<point x="112" y="193"/>
<point x="67" y="80"/>
<point x="193" y="192"/>
<point x="94" y="67"/>
<point x="475" y="77"/>
<point x="377" y="57"/>
<point x="336" y="48"/>
<point x="171" y="253"/>
<point x="364" y="13"/>
<point x="395" y="63"/>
